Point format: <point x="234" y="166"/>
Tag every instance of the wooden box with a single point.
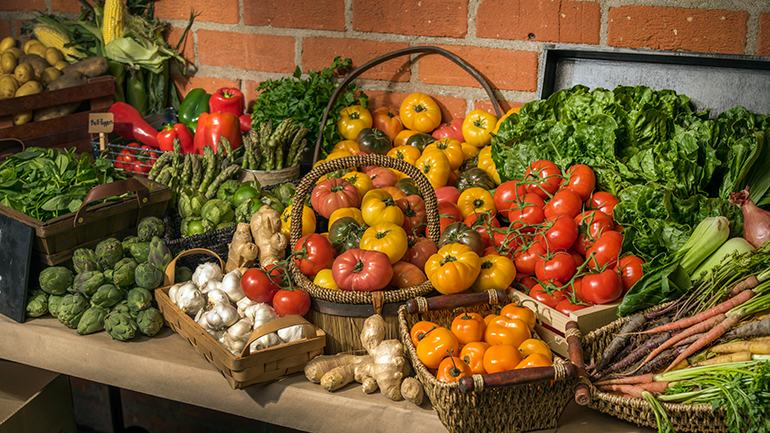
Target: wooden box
<point x="66" y="132"/>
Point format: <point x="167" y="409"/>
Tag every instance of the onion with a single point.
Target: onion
<point x="756" y="221"/>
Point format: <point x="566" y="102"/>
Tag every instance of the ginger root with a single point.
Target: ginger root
<point x="320" y="365"/>
<point x="241" y="251"/>
<point x="266" y="230"/>
<point x="412" y="390"/>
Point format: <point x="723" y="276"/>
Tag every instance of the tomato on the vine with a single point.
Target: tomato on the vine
<point x="581" y="179"/>
<point x="526" y="260"/>
<point x="603" y="287"/>
<point x="549" y="295"/>
<point x="605" y="251"/>
<point x="591" y="225"/>
<point x="543" y="178"/>
<point x="558" y="266"/>
<point x="507" y="195"/>
<point x="566" y="306"/>
<point x="605" y="202"/>
<point x="318" y="253"/>
<point x="288" y="302"/>
<point x="481" y="223"/>
<point x="528" y="211"/>
<point x="630" y="268"/>
<point x="560" y="234"/>
<point x="564" y="202"/>
<point x="257" y="286"/>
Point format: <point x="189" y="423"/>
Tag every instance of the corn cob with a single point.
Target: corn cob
<point x="51" y="37"/>
<point x="114" y="16"/>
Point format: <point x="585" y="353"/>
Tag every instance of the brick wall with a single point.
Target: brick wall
<point x="241" y="43"/>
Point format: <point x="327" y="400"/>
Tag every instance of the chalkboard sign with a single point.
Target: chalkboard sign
<point x="15" y="258"/>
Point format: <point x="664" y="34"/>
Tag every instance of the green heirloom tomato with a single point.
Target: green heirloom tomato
<point x="474" y="177"/>
<point x="460" y="233"/>
<point x="420" y="140"/>
<point x="345" y="234"/>
<point x="372" y="140"/>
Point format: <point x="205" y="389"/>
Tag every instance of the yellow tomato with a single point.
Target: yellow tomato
<point x="497" y="272"/>
<point x="308" y="221"/>
<point x="468" y="150"/>
<point x="419" y="112"/>
<point x="507" y="114"/>
<point x="402" y="136"/>
<point x="324" y="279"/>
<point x="452" y="149"/>
<point x="435" y="166"/>
<point x="477" y="126"/>
<point x="352" y="212"/>
<point x="352" y="120"/>
<point x="361" y="181"/>
<point x="378" y="207"/>
<point x="487" y="164"/>
<point x="350" y="146"/>
<point x="387" y="238"/>
<point x="475" y="201"/>
<point x="406" y="153"/>
<point x="453" y="268"/>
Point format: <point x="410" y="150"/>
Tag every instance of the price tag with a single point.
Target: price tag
<point x="100" y="123"/>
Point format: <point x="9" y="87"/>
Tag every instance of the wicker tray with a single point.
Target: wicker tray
<point x="250" y="368"/>
<point x="498" y="402"/>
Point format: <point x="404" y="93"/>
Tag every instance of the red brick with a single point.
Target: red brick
<point x="763" y="42"/>
<point x="66" y="6"/>
<point x="250" y="93"/>
<point x="184" y="85"/>
<point x="443" y="18"/>
<point x="668" y="28"/>
<point x="502" y="69"/>
<point x="246" y="51"/>
<point x="17" y="26"/>
<point x="318" y="53"/>
<point x="539" y="20"/>
<point x="301" y="14"/>
<point x="487" y="106"/>
<point x="24" y="5"/>
<point x="5" y="29"/>
<point x="218" y="11"/>
<point x="187" y="50"/>
<point x="451" y="107"/>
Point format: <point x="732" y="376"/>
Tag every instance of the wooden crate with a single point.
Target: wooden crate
<point x="552" y="329"/>
<point x="66" y="132"/>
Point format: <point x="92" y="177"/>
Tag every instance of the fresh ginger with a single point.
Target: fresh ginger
<point x="266" y="230"/>
<point x="320" y="365"/>
<point x="242" y="251"/>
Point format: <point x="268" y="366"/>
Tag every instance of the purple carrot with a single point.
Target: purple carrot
<point x="757" y="328"/>
<point x="689" y="340"/>
<point x="662" y="311"/>
<point x="621" y="339"/>
<point x="637" y="354"/>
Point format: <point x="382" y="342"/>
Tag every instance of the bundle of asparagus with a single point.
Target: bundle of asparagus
<point x="266" y="148"/>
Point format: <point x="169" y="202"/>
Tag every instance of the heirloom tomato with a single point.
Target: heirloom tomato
<point x="453" y="268"/>
<point x="451" y="369"/>
<point x="497" y="272"/>
<point x="483" y="224"/>
<point x="394" y="192"/>
<point x="477" y="127"/>
<point x="419" y="141"/>
<point x="361" y="181"/>
<point x="372" y="140"/>
<point x="405" y="153"/>
<point x="459" y="233"/>
<point x="487" y="164"/>
<point x="349" y="146"/>
<point x="403" y="136"/>
<point x="420" y="250"/>
<point x="501" y="357"/>
<point x="468" y="327"/>
<point x="435" y="166"/>
<point x="543" y="178"/>
<point x="257" y="286"/>
<point x="419" y="112"/>
<point x="332" y="194"/>
<point x="452" y="129"/>
<point x="378" y="207"/>
<point x="469" y="151"/>
<point x="360" y="270"/>
<point x="406" y="275"/>
<point x="345" y="234"/>
<point x="308" y="221"/>
<point x="387" y="238"/>
<point x="387" y="122"/>
<point x="408" y="187"/>
<point x="473" y="355"/>
<point x="448" y="193"/>
<point x="352" y="120"/>
<point x="317" y="253"/>
<point x="415" y="217"/>
<point x="451" y="148"/>
<point x="476" y="200"/>
<point x="382" y="176"/>
<point x="351" y="212"/>
<point x="325" y="279"/>
<point x="289" y="302"/>
<point x="436" y="345"/>
<point x="474" y="178"/>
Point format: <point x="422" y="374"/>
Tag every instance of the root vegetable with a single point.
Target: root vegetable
<point x="266" y="231"/>
<point x="748" y="283"/>
<point x="700" y="327"/>
<point x="716" y="331"/>
<point x="757" y="328"/>
<point x="242" y="251"/>
<point x="757" y="347"/>
<point x="320" y="365"/>
<point x="412" y="390"/>
<point x="643" y="378"/>
<point x="731" y="357"/>
<point x="647" y="348"/>
<point x="340" y="376"/>
<point x="756" y="221"/>
<point x="621" y="340"/>
<point x="633" y="391"/>
<point x="708" y="314"/>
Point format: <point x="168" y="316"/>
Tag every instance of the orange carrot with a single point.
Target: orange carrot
<point x="644" y="378"/>
<point x="711" y="312"/>
<point x="716" y="332"/>
<point x="630" y="390"/>
<point x="654" y="387"/>
<point x="748" y="283"/>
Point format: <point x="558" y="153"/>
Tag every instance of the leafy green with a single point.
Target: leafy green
<point x="47" y="183"/>
<point x="306" y="99"/>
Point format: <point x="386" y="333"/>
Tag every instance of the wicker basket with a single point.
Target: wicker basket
<point x="249" y="368"/>
<point x="499" y="402"/>
<point x="686" y="418"/>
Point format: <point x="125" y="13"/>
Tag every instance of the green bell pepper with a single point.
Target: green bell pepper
<point x="195" y="103"/>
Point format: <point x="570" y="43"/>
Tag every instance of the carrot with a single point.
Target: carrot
<point x="659" y="362"/>
<point x="757" y="328"/>
<point x="689" y="340"/>
<point x="742" y="346"/>
<point x="634" y="356"/>
<point x="711" y="312"/>
<point x="656" y="387"/>
<point x="731" y="357"/>
<point x="747" y="283"/>
<point x="644" y="378"/>
<point x="631" y="390"/>
<point x="696" y="329"/>
<point x="715" y="332"/>
<point x="621" y="340"/>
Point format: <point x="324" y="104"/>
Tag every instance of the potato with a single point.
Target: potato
<point x="61" y="64"/>
<point x="8" y="86"/>
<point x="22" y="118"/>
<point x="38" y="49"/>
<point x="49" y="75"/>
<point x="24" y="72"/>
<point x="29" y="88"/>
<point x="7" y="43"/>
<point x="38" y="63"/>
<point x="66" y="80"/>
<point x="52" y="55"/>
<point x="29" y="43"/>
<point x="8" y="62"/>
<point x="15" y="51"/>
<point x="92" y="67"/>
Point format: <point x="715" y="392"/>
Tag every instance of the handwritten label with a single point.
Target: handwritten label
<point x="100" y="122"/>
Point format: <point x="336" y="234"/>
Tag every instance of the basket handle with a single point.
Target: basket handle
<point x="275" y="325"/>
<point x="448" y="302"/>
<point x="110" y="190"/>
<point x="575" y="349"/>
<point x="168" y="279"/>
<point x="398" y="53"/>
<point x="7" y="144"/>
<point x="522" y="376"/>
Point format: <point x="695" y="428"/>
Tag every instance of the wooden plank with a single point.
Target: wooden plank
<point x="587" y="318"/>
<point x="96" y="87"/>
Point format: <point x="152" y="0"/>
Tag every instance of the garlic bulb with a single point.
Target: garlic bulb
<point x="265" y="341"/>
<point x="202" y="319"/>
<point x="236" y="336"/>
<point x="223" y="315"/>
<point x="292" y="333"/>
<point x="214" y="297"/>
<point x="243" y="304"/>
<point x="260" y="314"/>
<point x="173" y="291"/>
<point x="205" y="273"/>
<point x="189" y="299"/>
<point x="212" y="285"/>
<point x="231" y="284"/>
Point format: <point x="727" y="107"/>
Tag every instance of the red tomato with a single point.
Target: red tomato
<point x="577" y="257"/>
<point x="576" y="289"/>
<point x="420" y="250"/>
<point x="603" y="287"/>
<point x="257" y="286"/>
<point x="524" y="282"/>
<point x="448" y="214"/>
<point x="452" y="129"/>
<point x="382" y="176"/>
<point x="490" y="250"/>
<point x="529" y="211"/>
<point x="526" y="260"/>
<point x="581" y="179"/>
<point x="604" y="202"/>
<point x="482" y="226"/>
<point x="558" y="267"/>
<point x="605" y="250"/>
<point x="415" y="219"/>
<point x="447" y="193"/>
<point x="566" y="306"/>
<point x="630" y="271"/>
<point x="560" y="234"/>
<point x="507" y="194"/>
<point x="332" y="194"/>
<point x="406" y="274"/>
<point x="452" y="179"/>
<point x="564" y="202"/>
<point x="544" y="178"/>
<point x="591" y="225"/>
<point x="360" y="270"/>
<point x="319" y="254"/>
<point x="291" y="302"/>
<point x="507" y="243"/>
<point x="550" y="295"/>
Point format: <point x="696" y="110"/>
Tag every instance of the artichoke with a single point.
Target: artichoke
<point x="55" y="280"/>
<point x="128" y="241"/>
<point x="190" y="203"/>
<point x="218" y="211"/>
<point x="54" y="301"/>
<point x="124" y="273"/>
<point x="87" y="282"/>
<point x="149" y="227"/>
<point x="84" y="259"/>
<point x="139" y="299"/>
<point x="92" y="320"/>
<point x="182" y="273"/>
<point x="107" y="296"/>
<point x="149" y="321"/>
<point x="108" y="274"/>
<point x="71" y="309"/>
<point x="148" y="276"/>
<point x="140" y="251"/>
<point x="108" y="252"/>
<point x="37" y="303"/>
<point x="123" y="307"/>
<point x="120" y="325"/>
<point x="159" y="254"/>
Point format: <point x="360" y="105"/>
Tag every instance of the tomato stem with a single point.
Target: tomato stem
<point x="418" y="108"/>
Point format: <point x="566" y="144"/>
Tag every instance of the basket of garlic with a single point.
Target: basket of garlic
<point x="247" y="342"/>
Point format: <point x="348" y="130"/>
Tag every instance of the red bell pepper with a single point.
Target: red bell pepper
<point x="245" y="122"/>
<point x="227" y="100"/>
<point x="170" y="132"/>
<point x="211" y="126"/>
<point x="130" y="124"/>
<point x="453" y="130"/>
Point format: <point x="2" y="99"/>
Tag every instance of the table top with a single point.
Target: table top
<point x="167" y="366"/>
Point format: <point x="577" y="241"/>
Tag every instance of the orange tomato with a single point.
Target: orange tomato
<point x="534" y="360"/>
<point x="406" y="153"/>
<point x="533" y="345"/>
<point x="516" y="311"/>
<point x="394" y="192"/>
<point x="468" y="150"/>
<point x="350" y="146"/>
<point x="507" y="331"/>
<point x="468" y="327"/>
<point x="473" y="355"/>
<point x="436" y="345"/>
<point x="419" y="329"/>
<point x="501" y="357"/>
<point x="490" y="317"/>
<point x="452" y="369"/>
<point x="402" y="136"/>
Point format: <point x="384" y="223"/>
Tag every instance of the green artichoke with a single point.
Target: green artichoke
<point x="108" y="274"/>
<point x="128" y="241"/>
<point x="84" y="259"/>
<point x="55" y="280"/>
<point x="149" y="321"/>
<point x="124" y="273"/>
<point x="149" y="227"/>
<point x="182" y="273"/>
<point x="218" y="211"/>
<point x="87" y="282"/>
<point x="140" y="251"/>
<point x="190" y="203"/>
<point x="54" y="301"/>
<point x="139" y="299"/>
<point x="120" y="325"/>
<point x="108" y="252"/>
<point x="148" y="276"/>
<point x="92" y="320"/>
<point x="159" y="254"/>
<point x="37" y="303"/>
<point x="107" y="296"/>
<point x="71" y="309"/>
<point x="123" y="307"/>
